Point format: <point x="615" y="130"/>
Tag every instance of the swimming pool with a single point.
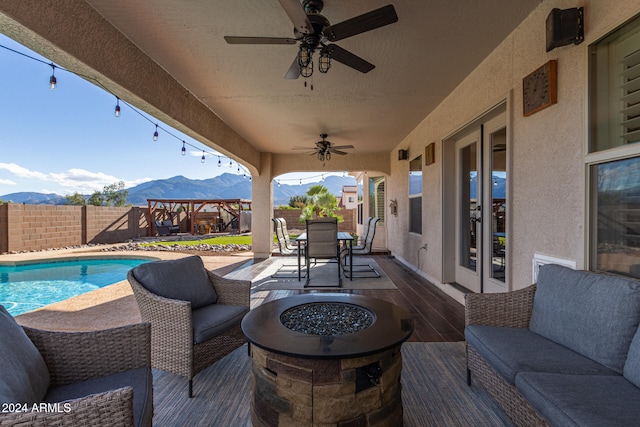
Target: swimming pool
<point x="25" y="287"/>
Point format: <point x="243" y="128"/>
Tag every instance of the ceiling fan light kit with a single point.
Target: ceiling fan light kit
<point x="324" y="149"/>
<point x="313" y="31"/>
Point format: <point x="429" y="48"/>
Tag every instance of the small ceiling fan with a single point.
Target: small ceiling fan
<point x="324" y="149"/>
<point x="313" y="31"/>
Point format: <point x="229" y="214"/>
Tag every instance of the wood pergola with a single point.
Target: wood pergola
<point x="191" y="208"/>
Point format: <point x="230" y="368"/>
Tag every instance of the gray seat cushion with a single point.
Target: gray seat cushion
<point x="212" y="320"/>
<point x="139" y="379"/>
<point x="24" y="377"/>
<point x="632" y="366"/>
<point x="581" y="400"/>
<point x="182" y="279"/>
<point x="593" y="314"/>
<point x="513" y="350"/>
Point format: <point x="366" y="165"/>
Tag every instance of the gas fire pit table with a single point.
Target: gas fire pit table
<point x="326" y="359"/>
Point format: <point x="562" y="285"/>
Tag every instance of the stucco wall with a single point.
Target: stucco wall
<point x="547" y="198"/>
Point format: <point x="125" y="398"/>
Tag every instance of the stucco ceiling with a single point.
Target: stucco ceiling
<point x="434" y="45"/>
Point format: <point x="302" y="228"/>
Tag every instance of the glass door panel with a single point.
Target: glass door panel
<point x="498" y="198"/>
<point x="468" y="207"/>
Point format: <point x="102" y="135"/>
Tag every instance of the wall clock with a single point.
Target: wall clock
<point x="540" y="88"/>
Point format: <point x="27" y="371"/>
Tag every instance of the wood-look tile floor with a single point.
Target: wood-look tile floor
<point x="437" y="316"/>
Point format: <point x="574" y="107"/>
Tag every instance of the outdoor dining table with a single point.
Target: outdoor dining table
<point x="343" y="237"/>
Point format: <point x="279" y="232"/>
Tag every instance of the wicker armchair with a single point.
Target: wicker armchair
<point x="72" y="357"/>
<point x="509" y="309"/>
<point x="174" y="345"/>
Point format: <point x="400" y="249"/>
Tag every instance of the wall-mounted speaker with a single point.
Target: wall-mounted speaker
<point x="565" y="27"/>
<point x="403" y="154"/>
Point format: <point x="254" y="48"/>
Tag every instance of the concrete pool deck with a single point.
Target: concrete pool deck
<point x="107" y="307"/>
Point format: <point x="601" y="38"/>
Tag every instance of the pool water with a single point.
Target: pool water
<point x="29" y="286"/>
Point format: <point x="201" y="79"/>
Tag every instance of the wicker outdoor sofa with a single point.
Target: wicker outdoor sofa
<point x="98" y="378"/>
<point x="563" y="352"/>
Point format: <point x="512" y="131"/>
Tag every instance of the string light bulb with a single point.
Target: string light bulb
<point x="219" y="162"/>
<point x="52" y="80"/>
<point x="202" y="159"/>
<point x="155" y="134"/>
<point x="184" y="149"/>
<point x="230" y="164"/>
<point x="117" y="112"/>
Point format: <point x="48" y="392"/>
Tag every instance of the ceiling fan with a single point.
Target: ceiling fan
<point x="313" y="31"/>
<point x="324" y="148"/>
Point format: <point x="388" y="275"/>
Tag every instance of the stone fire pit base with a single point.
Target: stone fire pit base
<point x="292" y="391"/>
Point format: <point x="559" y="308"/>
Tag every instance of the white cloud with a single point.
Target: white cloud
<point x="82" y="181"/>
<point x="22" y="172"/>
<point x="70" y="181"/>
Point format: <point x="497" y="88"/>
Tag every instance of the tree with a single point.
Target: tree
<point x="115" y="194"/>
<point x="111" y="195"/>
<point x="321" y="204"/>
<point x="75" y="199"/>
<point x="96" y="199"/>
<point x="298" y="201"/>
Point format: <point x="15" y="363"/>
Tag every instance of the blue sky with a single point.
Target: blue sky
<point x="69" y="140"/>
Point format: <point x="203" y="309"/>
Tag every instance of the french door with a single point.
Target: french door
<point x="481" y="207"/>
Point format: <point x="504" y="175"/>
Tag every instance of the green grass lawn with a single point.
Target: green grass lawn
<point x="221" y="240"/>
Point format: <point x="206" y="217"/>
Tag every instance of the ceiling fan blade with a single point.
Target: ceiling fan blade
<point x="349" y="59"/>
<point x="366" y="22"/>
<point x="342" y="147"/>
<point x="259" y="40"/>
<point x="298" y="16"/>
<point x="294" y="70"/>
<point x="342" y="153"/>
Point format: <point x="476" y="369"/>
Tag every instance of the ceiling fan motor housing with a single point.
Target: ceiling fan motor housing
<point x="313" y="6"/>
<point x="312" y="40"/>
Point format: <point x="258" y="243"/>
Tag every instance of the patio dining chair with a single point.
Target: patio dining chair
<point x="322" y="243"/>
<point x="361" y="270"/>
<point x="195" y="314"/>
<point x="286" y="248"/>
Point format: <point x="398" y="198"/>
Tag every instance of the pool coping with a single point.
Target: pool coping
<point x="108" y="307"/>
<point x="76" y="257"/>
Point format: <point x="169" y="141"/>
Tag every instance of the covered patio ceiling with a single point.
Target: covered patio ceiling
<point x="418" y="61"/>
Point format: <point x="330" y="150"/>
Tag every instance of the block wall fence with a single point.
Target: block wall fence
<point x="37" y="227"/>
<point x="291" y="216"/>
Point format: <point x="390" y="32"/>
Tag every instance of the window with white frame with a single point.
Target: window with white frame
<point x="376" y="198"/>
<point x="415" y="195"/>
<point x="614" y="152"/>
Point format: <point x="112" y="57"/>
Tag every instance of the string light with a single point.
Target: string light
<point x="52" y="80"/>
<point x="53" y="84"/>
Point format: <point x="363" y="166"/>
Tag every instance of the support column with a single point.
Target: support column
<point x="262" y="209"/>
